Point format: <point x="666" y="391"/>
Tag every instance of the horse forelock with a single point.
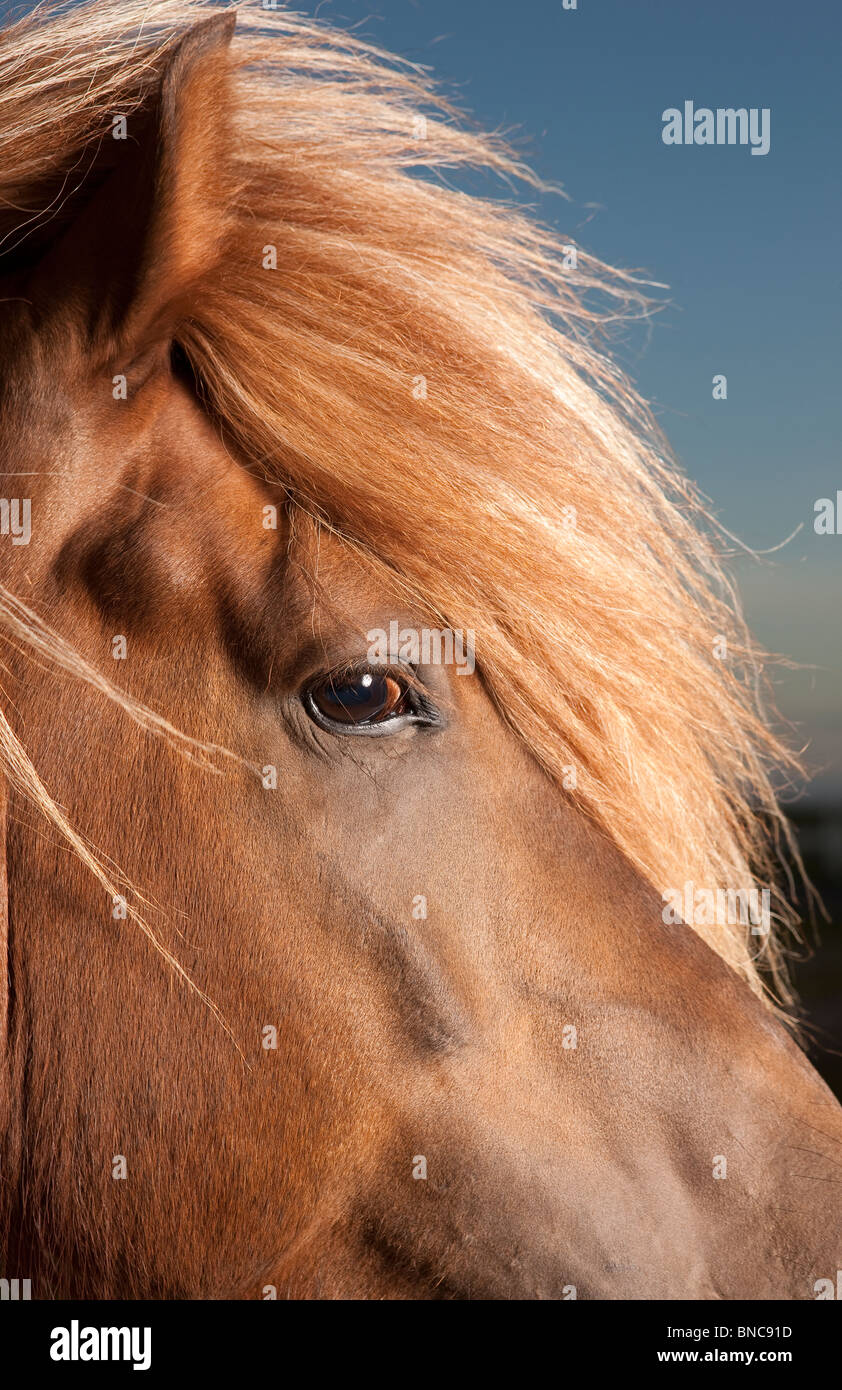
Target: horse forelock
<point x="416" y="366"/>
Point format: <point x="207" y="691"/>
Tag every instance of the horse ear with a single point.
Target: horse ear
<point x="128" y="261"/>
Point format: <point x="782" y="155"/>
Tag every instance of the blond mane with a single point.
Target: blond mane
<point x="419" y="369"/>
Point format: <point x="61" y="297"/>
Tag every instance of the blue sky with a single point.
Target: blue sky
<point x="748" y="245"/>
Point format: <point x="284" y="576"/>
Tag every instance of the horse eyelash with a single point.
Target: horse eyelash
<point x="428" y="711"/>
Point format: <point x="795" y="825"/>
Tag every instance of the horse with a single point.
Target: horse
<point x="329" y="974"/>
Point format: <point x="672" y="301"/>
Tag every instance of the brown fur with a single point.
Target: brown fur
<point x="547" y="1166"/>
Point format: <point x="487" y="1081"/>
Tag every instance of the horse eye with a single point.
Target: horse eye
<point x="359" y="699"/>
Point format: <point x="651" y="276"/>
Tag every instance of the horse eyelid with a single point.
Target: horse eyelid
<point x="423" y="715"/>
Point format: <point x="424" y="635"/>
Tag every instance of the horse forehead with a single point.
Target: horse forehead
<point x="154" y="475"/>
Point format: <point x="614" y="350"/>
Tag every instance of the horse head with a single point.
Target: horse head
<point x="336" y="968"/>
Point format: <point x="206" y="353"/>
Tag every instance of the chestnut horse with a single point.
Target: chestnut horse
<point x="327" y="976"/>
